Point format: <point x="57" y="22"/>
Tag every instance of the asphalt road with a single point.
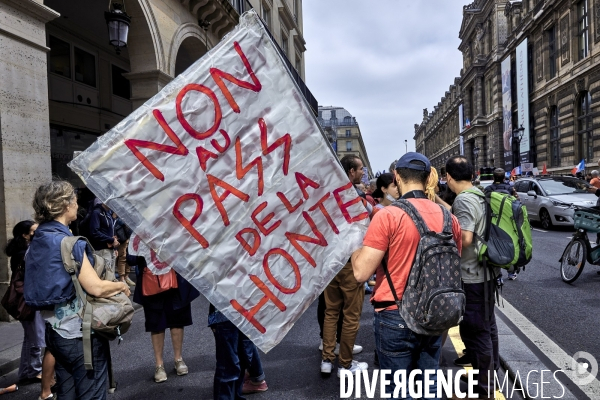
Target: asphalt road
<point x="564" y="312"/>
<point x="568" y="313"/>
<point x="292" y="369"/>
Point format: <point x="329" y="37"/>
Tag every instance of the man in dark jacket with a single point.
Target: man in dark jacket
<point x="499" y="185"/>
<point x="102" y="233"/>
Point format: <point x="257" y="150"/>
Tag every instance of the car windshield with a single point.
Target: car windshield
<point x="566" y="186"/>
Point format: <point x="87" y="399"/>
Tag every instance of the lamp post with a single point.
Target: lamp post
<point x="204" y="24"/>
<point x="517" y="137"/>
<point x="405" y="146"/>
<point x="476" y="154"/>
<point x="118" y="22"/>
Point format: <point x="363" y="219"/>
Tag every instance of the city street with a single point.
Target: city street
<point x="567" y="313"/>
<point x="563" y="312"/>
<point x="292" y="368"/>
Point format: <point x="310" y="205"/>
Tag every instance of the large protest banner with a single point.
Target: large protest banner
<point x="226" y="176"/>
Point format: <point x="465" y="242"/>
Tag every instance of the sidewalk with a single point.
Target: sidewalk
<point x="11" y="339"/>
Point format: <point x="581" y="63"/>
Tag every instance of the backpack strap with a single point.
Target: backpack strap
<point x="72" y="267"/>
<point x="412" y="212"/>
<point x="488" y="293"/>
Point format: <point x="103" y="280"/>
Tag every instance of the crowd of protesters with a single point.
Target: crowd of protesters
<point x="53" y="353"/>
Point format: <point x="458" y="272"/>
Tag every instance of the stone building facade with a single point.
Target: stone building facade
<point x="344" y="133"/>
<point x="563" y="70"/>
<point x="63" y="85"/>
<point x="436" y="135"/>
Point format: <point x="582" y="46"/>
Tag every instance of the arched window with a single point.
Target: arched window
<point x="584" y="127"/>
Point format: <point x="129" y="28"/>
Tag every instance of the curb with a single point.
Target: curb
<point x="518" y="360"/>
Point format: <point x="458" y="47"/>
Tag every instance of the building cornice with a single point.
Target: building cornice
<point x="34" y="9"/>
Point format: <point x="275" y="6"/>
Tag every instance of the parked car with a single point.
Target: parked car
<point x="550" y="200"/>
<point x="486" y="183"/>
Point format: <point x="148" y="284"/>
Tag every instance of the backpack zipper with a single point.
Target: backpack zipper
<point x="457" y="291"/>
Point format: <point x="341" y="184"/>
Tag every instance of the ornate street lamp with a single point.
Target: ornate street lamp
<point x="204" y="24"/>
<point x="118" y="25"/>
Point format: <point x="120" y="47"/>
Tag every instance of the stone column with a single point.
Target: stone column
<point x="24" y="119"/>
<point x="478" y="97"/>
<point x="481" y="159"/>
<point x="469" y="151"/>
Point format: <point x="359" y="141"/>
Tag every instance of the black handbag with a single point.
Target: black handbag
<point x="14" y="300"/>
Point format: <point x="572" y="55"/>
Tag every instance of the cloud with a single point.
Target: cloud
<point x="384" y="61"/>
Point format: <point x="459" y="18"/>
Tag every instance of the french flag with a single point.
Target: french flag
<point x="580" y="167"/>
<point x="516" y="171"/>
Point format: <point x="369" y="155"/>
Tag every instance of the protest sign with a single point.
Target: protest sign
<point x="227" y="176"/>
<point x="138" y="248"/>
<point x="526" y="167"/>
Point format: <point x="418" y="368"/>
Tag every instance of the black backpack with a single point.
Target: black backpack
<point x="433" y="300"/>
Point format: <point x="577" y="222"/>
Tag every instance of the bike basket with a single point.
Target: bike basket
<point x="588" y="221"/>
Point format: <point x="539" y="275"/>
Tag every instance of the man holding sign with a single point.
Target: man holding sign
<point x="227" y="176"/>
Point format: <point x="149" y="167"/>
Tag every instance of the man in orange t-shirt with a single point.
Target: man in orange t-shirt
<point x="595" y="181"/>
<point x="394" y="233"/>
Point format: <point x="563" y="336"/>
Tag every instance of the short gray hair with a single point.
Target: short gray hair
<point x="52" y="199"/>
<point x="595" y="173"/>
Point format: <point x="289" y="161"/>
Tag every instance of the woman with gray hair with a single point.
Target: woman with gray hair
<point x="48" y="286"/>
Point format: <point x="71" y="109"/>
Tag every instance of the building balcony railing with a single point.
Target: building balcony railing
<point x="337" y="122"/>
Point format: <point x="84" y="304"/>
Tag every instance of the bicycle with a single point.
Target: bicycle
<point x="579" y="250"/>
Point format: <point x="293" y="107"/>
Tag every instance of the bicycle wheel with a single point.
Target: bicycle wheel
<point x="573" y="260"/>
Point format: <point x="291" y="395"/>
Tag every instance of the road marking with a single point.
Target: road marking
<point x="539" y="230"/>
<point x="557" y="355"/>
<point x="458" y="344"/>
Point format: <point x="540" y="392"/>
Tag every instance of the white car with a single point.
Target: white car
<point x="550" y="200"/>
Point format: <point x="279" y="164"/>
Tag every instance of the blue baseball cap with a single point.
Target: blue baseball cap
<point x="406" y="161"/>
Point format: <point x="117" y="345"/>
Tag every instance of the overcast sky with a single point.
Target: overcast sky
<point x="383" y="61"/>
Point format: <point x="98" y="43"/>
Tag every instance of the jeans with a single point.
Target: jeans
<point x="399" y="348"/>
<point x="31" y="350"/>
<point x="479" y="335"/>
<point x="73" y="381"/>
<point x="235" y="354"/>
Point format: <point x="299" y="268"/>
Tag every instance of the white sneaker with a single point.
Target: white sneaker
<point x="326" y="368"/>
<point x="355" y="350"/>
<point x="355" y="366"/>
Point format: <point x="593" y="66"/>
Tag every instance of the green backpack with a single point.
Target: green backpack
<point x="507" y="239"/>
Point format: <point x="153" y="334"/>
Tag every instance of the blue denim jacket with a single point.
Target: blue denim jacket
<point x="46" y="280"/>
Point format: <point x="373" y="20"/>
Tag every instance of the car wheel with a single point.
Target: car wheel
<point x="545" y="219"/>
